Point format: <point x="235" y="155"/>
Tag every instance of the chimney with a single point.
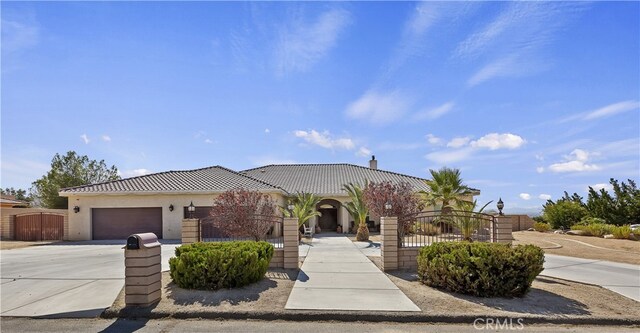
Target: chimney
<point x="373" y="164"/>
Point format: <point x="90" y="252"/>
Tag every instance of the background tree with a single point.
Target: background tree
<point x="563" y="213"/>
<point x="18" y="194"/>
<point x="304" y="207"/>
<point x="68" y="171"/>
<point x="401" y="196"/>
<point x="357" y="209"/>
<point x="243" y="213"/>
<point x="445" y="188"/>
<point x="623" y="207"/>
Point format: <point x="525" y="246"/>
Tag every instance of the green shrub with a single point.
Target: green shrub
<point x="588" y="220"/>
<point x="621" y="232"/>
<point x="219" y="265"/>
<point x="480" y="269"/>
<point x="596" y="229"/>
<point x="541" y="226"/>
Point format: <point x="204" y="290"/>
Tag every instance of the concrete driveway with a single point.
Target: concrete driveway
<point x="70" y="279"/>
<point x="623" y="279"/>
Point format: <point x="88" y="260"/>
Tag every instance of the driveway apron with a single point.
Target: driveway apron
<point x="337" y="276"/>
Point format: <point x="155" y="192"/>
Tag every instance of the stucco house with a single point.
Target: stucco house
<point x="158" y="202"/>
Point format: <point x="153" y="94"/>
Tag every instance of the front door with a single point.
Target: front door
<point x="329" y="219"/>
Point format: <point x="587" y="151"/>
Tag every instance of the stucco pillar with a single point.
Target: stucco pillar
<point x="389" y="246"/>
<point x="142" y="261"/>
<point x="344" y="219"/>
<point x="503" y="230"/>
<point x="291" y="243"/>
<point x="190" y="231"/>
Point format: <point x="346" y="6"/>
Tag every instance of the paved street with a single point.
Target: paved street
<point x="71" y="279"/>
<point x="24" y="325"/>
<point x="623" y="279"/>
<point x="337" y="276"/>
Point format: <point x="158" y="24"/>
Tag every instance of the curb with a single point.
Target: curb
<point x="347" y="316"/>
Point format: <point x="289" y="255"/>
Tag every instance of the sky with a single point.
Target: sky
<point x="527" y="99"/>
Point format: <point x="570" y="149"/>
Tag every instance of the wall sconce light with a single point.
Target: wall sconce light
<point x="500" y="205"/>
<point x="171" y="208"/>
<point x="191" y="209"/>
<point x="76" y="209"/>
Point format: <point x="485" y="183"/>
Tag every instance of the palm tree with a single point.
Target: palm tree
<point x="445" y="188"/>
<point x="358" y="209"/>
<point x="467" y="219"/>
<point x="304" y="207"/>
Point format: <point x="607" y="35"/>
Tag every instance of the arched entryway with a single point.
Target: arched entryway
<point x="329" y="209"/>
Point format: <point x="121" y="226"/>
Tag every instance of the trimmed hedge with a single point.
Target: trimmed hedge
<point x="480" y="269"/>
<point x="541" y="226"/>
<point x="219" y="265"/>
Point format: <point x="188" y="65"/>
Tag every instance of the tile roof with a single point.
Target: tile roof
<point x="325" y="179"/>
<point x="211" y="179"/>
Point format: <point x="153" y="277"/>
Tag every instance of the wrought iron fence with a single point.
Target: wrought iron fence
<point x="424" y="228"/>
<point x="267" y="228"/>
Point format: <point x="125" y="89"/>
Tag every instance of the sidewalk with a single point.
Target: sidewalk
<point x="337" y="276"/>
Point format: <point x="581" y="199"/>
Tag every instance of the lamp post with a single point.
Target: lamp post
<point x="191" y="209"/>
<point x="500" y="205"/>
<point x="387" y="208"/>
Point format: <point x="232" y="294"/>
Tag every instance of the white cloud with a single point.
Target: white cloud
<point x="363" y="152"/>
<point x="325" y="140"/>
<point x="379" y="108"/>
<point x="539" y="157"/>
<point x="106" y="138"/>
<point x="433" y="140"/>
<point x="446" y="157"/>
<point x="514" y="39"/>
<point x="85" y="138"/>
<point x="208" y="141"/>
<point x="495" y="141"/>
<point x="540" y="169"/>
<point x="576" y="161"/>
<point x="133" y="173"/>
<point x="436" y="112"/>
<point x="18" y="36"/>
<point x="303" y="44"/>
<point x="545" y="196"/>
<point x="458" y="142"/>
<point x="267" y="131"/>
<point x="600" y="186"/>
<point x="612" y="109"/>
<point x="525" y="196"/>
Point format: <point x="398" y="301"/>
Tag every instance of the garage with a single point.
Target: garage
<point x="119" y="223"/>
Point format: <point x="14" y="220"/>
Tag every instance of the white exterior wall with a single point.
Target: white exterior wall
<point x="80" y="223"/>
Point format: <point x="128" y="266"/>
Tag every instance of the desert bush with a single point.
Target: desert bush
<point x="596" y="229"/>
<point x="480" y="269"/>
<point x="243" y="213"/>
<point x="219" y="265"/>
<point x="588" y="220"/>
<point x="621" y="232"/>
<point x="541" y="226"/>
<point x="427" y="229"/>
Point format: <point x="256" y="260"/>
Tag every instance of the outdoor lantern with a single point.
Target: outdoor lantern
<point x="191" y="209"/>
<point x="76" y="209"/>
<point x="500" y="206"/>
<point x="290" y="207"/>
<point x="387" y="206"/>
<point x="171" y="208"/>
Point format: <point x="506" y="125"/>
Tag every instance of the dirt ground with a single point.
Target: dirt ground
<point x="548" y="297"/>
<point x="617" y="250"/>
<point x="11" y="244"/>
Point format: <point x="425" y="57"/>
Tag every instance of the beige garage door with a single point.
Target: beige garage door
<point x="119" y="223"/>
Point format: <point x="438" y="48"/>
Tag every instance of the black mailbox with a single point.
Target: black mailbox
<point x="133" y="243"/>
<point x="142" y="241"/>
